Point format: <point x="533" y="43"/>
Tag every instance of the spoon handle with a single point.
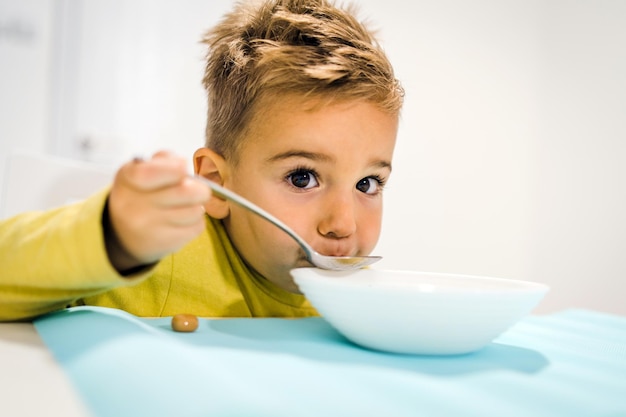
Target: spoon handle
<point x="224" y="193"/>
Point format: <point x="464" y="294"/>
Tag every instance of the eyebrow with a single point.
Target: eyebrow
<point x="314" y="156"/>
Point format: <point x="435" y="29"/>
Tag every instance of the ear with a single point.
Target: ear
<point x="212" y="166"/>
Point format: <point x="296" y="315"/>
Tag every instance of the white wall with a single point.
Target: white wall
<point x="25" y="47"/>
<point x="578" y="222"/>
<point x="129" y="80"/>
<point x="459" y="197"/>
<point x="510" y="152"/>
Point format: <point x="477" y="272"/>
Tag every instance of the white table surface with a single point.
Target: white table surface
<point x="31" y="382"/>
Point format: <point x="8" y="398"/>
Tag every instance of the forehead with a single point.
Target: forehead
<point x="298" y="114"/>
<point x="326" y="127"/>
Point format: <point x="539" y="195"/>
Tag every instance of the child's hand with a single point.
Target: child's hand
<point x="154" y="208"/>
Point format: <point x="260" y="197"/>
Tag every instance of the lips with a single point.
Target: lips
<point x="328" y="250"/>
<point x="336" y="249"/>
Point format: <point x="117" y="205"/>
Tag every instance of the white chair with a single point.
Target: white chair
<point x="37" y="181"/>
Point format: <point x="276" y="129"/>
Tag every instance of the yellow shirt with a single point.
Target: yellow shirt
<point x="53" y="259"/>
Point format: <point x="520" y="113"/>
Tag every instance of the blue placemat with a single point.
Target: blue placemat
<point x="568" y="364"/>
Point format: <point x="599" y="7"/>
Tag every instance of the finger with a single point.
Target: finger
<point x="159" y="172"/>
<point x="186" y="217"/>
<point x="163" y="154"/>
<point x="147" y="234"/>
<point x="184" y="226"/>
<point x="187" y="193"/>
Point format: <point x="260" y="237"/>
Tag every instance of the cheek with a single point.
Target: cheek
<point x="369" y="229"/>
<point x="268" y="237"/>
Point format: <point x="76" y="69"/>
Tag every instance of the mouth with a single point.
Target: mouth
<point x="302" y="261"/>
<point x="338" y="251"/>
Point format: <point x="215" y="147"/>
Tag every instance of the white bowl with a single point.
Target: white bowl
<point x="418" y="312"/>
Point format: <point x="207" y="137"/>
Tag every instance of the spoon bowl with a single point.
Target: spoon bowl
<point x="335" y="263"/>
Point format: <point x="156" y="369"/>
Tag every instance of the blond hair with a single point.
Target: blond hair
<point x="304" y="47"/>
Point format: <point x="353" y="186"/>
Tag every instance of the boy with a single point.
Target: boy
<point x="302" y="121"/>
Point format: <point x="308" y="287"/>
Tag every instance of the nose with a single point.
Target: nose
<point x="337" y="216"/>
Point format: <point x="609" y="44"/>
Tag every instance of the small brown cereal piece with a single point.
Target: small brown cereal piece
<point x="184" y="323"/>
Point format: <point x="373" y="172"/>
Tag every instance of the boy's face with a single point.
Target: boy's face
<point x="321" y="172"/>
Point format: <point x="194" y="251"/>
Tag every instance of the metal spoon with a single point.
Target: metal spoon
<point x="337" y="263"/>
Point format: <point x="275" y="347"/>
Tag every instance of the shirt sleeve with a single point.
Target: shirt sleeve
<point x="52" y="258"/>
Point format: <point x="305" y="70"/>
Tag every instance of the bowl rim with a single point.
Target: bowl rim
<point x="328" y="278"/>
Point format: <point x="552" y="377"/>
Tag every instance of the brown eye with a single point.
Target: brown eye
<point x="302" y="179"/>
<point x="369" y="185"/>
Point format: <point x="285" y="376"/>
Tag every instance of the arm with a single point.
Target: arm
<point x="51" y="259"/>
